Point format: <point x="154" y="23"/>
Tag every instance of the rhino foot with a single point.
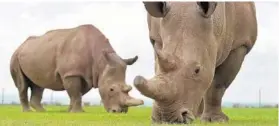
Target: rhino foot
<point x="26" y="110"/>
<point x="215" y="117"/>
<point x="77" y="110"/>
<point x="38" y="108"/>
<point x="70" y="108"/>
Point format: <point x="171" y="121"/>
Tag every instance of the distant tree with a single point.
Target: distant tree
<point x="45" y="103"/>
<point x="57" y="103"/>
<point x="14" y="103"/>
<point x="86" y="103"/>
<point x="101" y="102"/>
<point x="237" y="105"/>
<point x="247" y="106"/>
<point x="267" y="106"/>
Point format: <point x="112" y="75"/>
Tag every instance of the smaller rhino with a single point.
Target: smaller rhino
<point x="76" y="60"/>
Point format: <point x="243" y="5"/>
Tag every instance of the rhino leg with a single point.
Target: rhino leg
<point x="70" y="106"/>
<point x="22" y="85"/>
<point x="36" y="97"/>
<point x="23" y="89"/>
<point x="83" y="93"/>
<point x="224" y="75"/>
<point x="72" y="85"/>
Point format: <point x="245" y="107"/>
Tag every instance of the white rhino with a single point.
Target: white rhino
<point x="199" y="49"/>
<point x="76" y="60"/>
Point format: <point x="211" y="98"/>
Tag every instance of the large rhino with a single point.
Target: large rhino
<point x="76" y="60"/>
<point x="199" y="49"/>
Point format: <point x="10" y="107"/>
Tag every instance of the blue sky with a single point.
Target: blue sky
<point x="124" y="23"/>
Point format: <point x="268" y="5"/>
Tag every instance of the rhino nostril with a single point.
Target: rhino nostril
<point x="187" y="116"/>
<point x="197" y="70"/>
<point x="184" y="113"/>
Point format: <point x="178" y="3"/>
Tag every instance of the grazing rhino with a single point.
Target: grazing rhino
<point x="76" y="60"/>
<point x="199" y="49"/>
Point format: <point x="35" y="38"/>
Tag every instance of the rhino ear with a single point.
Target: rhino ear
<point x="156" y="9"/>
<point x="207" y="8"/>
<point x="109" y="57"/>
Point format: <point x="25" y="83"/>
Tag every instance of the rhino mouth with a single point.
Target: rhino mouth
<point x="181" y="120"/>
<point x="120" y="110"/>
<point x="124" y="110"/>
<point x="184" y="120"/>
<point x="176" y="120"/>
<point x="180" y="116"/>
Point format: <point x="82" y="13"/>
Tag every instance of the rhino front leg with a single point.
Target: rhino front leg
<point x="224" y="75"/>
<point x="72" y="85"/>
<point x="36" y="98"/>
<point x="83" y="92"/>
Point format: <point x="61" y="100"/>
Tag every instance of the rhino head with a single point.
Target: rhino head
<point x="185" y="58"/>
<point x="113" y="89"/>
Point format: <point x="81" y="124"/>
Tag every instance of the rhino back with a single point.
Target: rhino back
<point x="56" y="54"/>
<point x="83" y="55"/>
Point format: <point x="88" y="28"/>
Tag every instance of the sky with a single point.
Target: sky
<point x="125" y="24"/>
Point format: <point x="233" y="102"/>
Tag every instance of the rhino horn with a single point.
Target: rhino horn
<point x="166" y="62"/>
<point x="127" y="88"/>
<point x="153" y="88"/>
<point x="133" y="102"/>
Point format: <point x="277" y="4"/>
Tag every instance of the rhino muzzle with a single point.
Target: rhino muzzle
<point x="167" y="109"/>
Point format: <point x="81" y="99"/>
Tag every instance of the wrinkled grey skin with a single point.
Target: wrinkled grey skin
<point x="199" y="48"/>
<point x="76" y="60"/>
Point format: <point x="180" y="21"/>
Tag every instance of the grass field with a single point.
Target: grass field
<point x="137" y="116"/>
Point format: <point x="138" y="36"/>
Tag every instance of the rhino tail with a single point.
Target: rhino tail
<point x="20" y="80"/>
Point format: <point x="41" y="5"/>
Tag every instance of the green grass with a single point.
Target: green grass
<point x="137" y="116"/>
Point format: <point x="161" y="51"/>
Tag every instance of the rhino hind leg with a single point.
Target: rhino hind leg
<point x="224" y="75"/>
<point x="22" y="85"/>
<point x="72" y="85"/>
<point x="70" y="106"/>
<point x="36" y="97"/>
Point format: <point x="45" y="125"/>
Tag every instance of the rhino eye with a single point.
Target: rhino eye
<point x="197" y="70"/>
<point x="111" y="89"/>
